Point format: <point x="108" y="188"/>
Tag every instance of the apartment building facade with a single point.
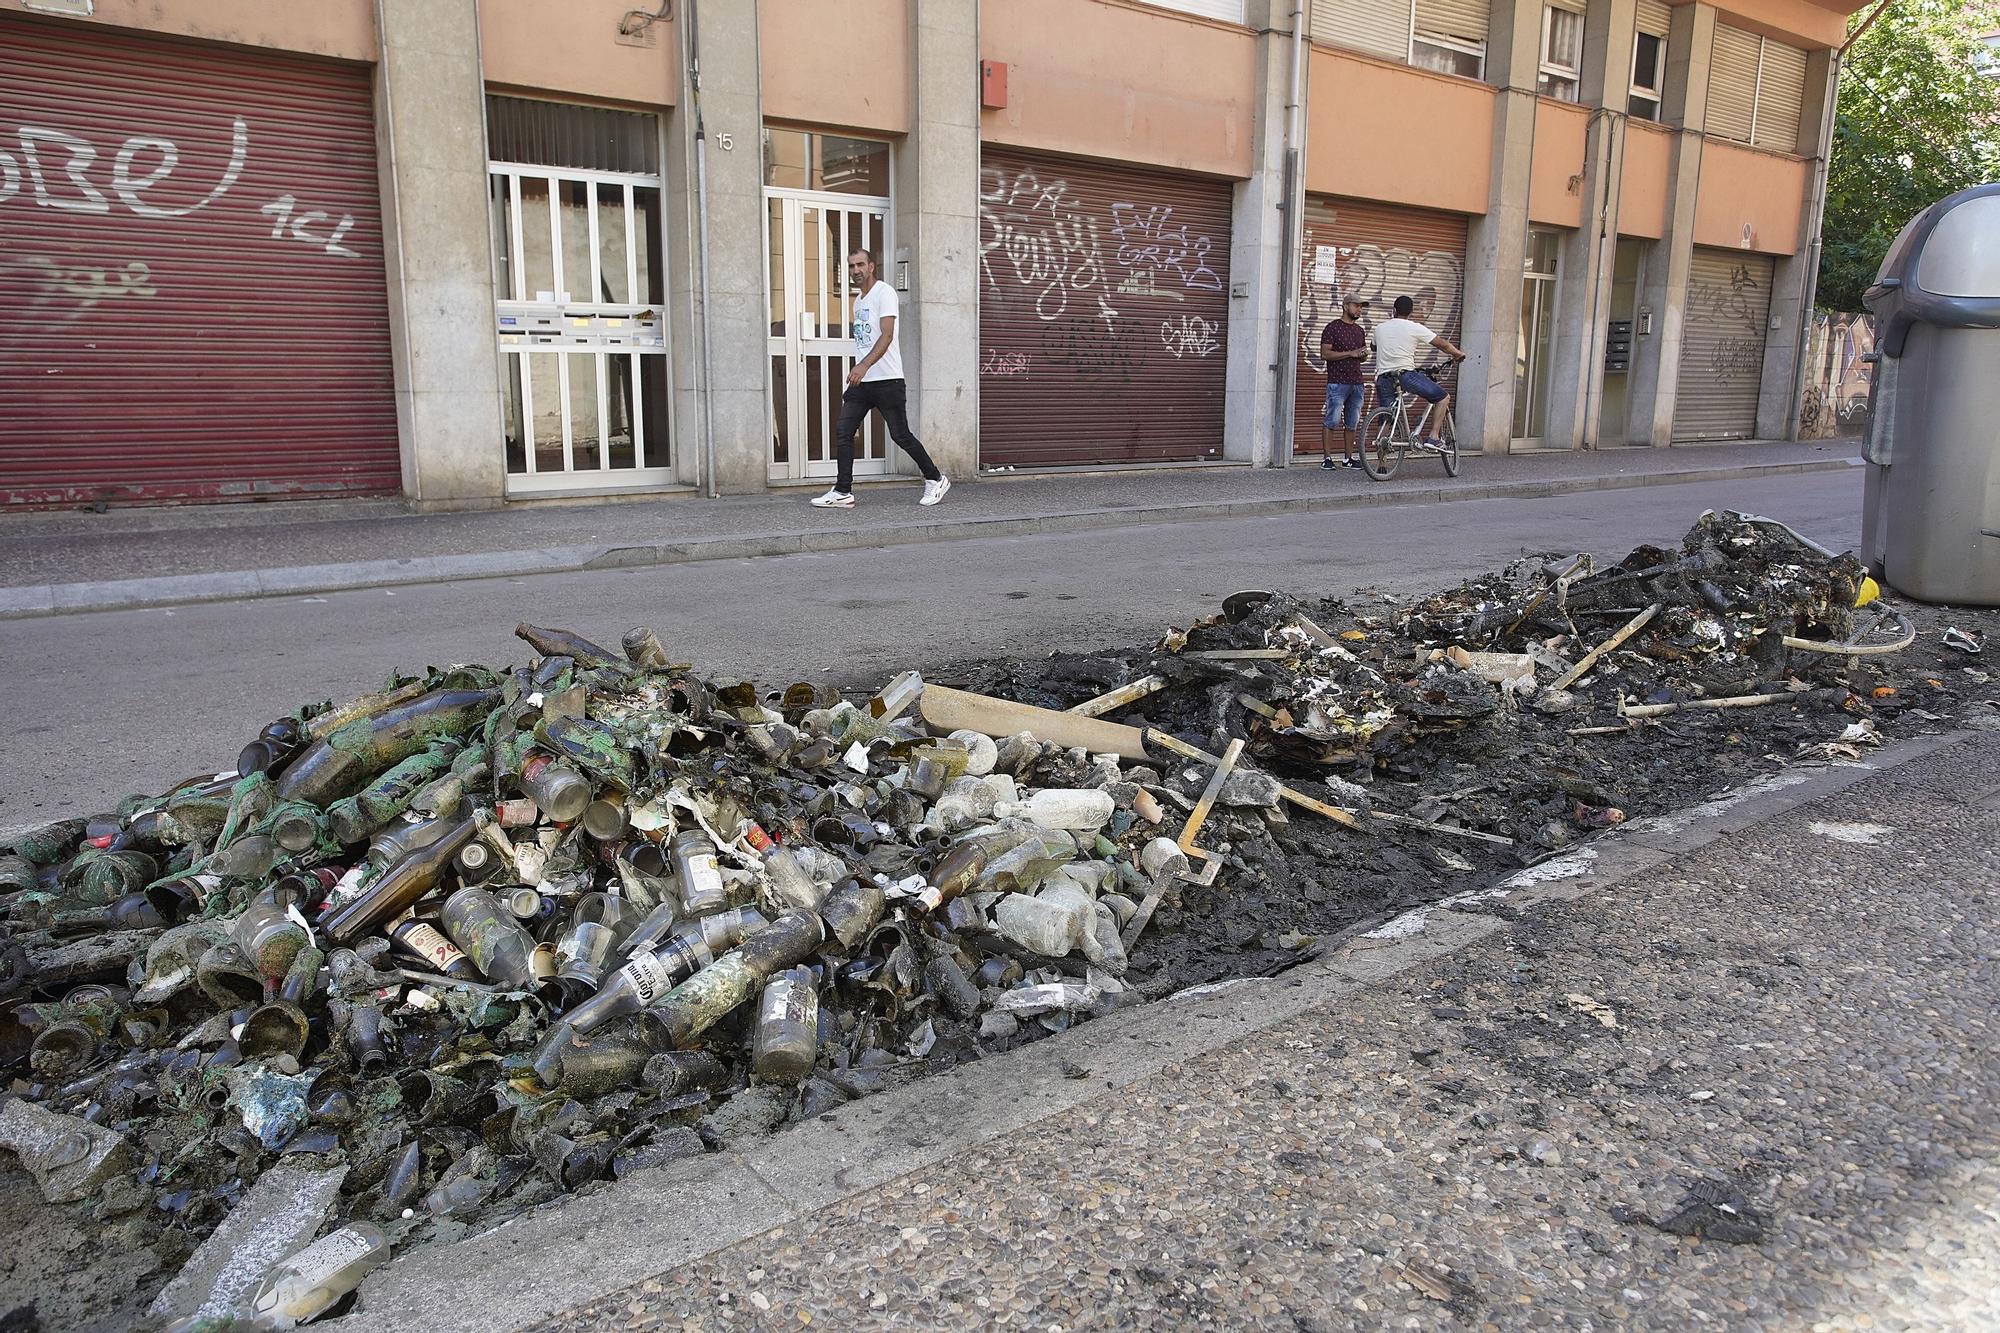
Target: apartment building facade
<point x="474" y="251"/>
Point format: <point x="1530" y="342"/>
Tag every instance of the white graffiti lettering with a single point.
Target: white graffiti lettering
<point x="297" y="228"/>
<point x="1051" y="247"/>
<point x="141" y="163"/>
<point x="89" y="198"/>
<point x="1190" y="335"/>
<point x="85" y="196"/>
<point x="1430" y="278"/>
<point x="997" y="362"/>
<point x="1149" y="238"/>
<point x="61" y="294"/>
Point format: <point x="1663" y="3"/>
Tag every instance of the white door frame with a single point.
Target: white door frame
<point x="589" y="332"/>
<point x="805" y="347"/>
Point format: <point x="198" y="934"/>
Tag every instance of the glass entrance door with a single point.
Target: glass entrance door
<point x="1538" y="326"/>
<point x="808" y="237"/>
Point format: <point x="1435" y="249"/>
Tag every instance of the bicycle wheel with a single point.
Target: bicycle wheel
<point x="1381" y="451"/>
<point x="1448" y="433"/>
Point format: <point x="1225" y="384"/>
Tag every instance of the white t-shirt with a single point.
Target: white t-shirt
<point x="1396" y="344"/>
<point x="869" y="312"/>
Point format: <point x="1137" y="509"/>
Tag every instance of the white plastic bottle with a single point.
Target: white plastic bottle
<point x="1062" y="807"/>
<point x="1049" y="928"/>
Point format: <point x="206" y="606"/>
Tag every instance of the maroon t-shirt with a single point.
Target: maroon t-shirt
<point x="1344" y="337"/>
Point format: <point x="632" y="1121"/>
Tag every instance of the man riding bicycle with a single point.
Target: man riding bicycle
<point x="1396" y="344"/>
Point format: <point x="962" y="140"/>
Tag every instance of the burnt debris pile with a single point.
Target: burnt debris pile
<point x="492" y="935"/>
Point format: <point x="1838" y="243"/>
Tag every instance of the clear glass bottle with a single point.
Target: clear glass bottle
<point x="790" y="882"/>
<point x="491" y="937"/>
<point x="306" y="1285"/>
<point x="787" y="1042"/>
<point x="700" y="874"/>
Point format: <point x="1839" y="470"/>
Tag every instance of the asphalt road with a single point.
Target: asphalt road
<point x="105" y="704"/>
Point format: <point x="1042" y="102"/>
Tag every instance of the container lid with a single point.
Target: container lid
<point x="1943" y="269"/>
<point x="1961" y="257"/>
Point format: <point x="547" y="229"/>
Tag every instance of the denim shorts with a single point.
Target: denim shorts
<point x="1422" y="385"/>
<point x="1343" y="395"/>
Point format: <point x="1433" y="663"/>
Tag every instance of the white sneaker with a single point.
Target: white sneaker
<point x="934" y="490"/>
<point x="834" y="500"/>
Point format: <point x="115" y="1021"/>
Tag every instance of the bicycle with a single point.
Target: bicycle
<point x="1387" y="436"/>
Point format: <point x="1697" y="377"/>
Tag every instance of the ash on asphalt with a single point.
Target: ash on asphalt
<point x="1291" y="887"/>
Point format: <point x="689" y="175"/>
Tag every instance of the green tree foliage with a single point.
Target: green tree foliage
<point x="1918" y="118"/>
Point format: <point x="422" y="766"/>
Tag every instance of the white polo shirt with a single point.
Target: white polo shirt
<point x="1396" y="345"/>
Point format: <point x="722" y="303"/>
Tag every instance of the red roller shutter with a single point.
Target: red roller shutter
<point x="1381" y="252"/>
<point x="192" y="292"/>
<point x="1104" y="313"/>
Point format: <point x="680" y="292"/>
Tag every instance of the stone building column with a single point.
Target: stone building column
<point x="937" y="235"/>
<point x="1257" y="403"/>
<point x="1793" y="277"/>
<point x="1656" y="356"/>
<point x="1584" y="272"/>
<point x="730" y="102"/>
<point x="1496" y="241"/>
<point x="430" y="117"/>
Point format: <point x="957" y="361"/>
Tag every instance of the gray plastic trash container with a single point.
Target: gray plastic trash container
<point x="1930" y="510"/>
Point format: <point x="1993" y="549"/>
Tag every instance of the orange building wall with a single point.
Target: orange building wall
<point x="342" y="28"/>
<point x="1559" y="146"/>
<point x="1358" y="109"/>
<point x="812" y="63"/>
<point x="1739" y="185"/>
<point x="573" y="48"/>
<point x="1642" y="189"/>
<point x="1119" y="81"/>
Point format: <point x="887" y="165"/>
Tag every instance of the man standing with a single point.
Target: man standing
<point x="1343" y="346"/>
<point x="1396" y="344"/>
<point x="875" y="383"/>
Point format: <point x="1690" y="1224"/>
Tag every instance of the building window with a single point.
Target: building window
<point x="1229" y="11"/>
<point x="1562" y="54"/>
<point x="1448" y="55"/>
<point x="1987" y="60"/>
<point x="1649" y="65"/>
<point x="799" y="160"/>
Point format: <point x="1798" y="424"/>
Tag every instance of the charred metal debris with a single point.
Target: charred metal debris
<point x="490" y="936"/>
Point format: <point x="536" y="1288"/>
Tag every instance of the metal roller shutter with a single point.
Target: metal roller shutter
<point x="1381" y="252"/>
<point x="1722" y="346"/>
<point x="1103" y="315"/>
<point x="192" y="293"/>
<point x="1463" y="20"/>
<point x="1781" y="93"/>
<point x="1655" y="17"/>
<point x="1380" y="27"/>
<point x="1732" y="83"/>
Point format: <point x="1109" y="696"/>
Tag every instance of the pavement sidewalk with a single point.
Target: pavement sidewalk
<point x="1668" y="1081"/>
<point x="70" y="562"/>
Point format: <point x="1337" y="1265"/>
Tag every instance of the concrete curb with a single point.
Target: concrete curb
<point x="51" y="599"/>
<point x="562" y="1256"/>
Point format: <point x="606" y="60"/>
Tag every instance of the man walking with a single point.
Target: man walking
<point x="1343" y="345"/>
<point x="875" y="383"/>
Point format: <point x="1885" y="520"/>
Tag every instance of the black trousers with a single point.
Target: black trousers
<point x="886" y="397"/>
